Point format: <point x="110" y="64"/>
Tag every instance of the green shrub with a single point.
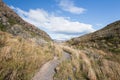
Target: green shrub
<point x="2" y="27"/>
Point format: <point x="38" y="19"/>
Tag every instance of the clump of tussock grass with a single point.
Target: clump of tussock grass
<point x="89" y="64"/>
<point x="21" y="59"/>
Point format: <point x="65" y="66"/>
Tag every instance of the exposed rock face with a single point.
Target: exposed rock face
<point x="107" y="38"/>
<point x="12" y="23"/>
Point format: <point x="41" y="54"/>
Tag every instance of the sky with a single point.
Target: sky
<point x="65" y="19"/>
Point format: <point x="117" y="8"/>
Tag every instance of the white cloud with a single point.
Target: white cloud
<point x="57" y="26"/>
<point x="68" y="5"/>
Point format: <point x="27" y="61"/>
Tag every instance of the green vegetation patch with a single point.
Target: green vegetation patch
<point x="2" y="27"/>
<point x="12" y="21"/>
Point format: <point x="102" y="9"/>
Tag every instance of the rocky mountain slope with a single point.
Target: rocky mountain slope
<point x="10" y="22"/>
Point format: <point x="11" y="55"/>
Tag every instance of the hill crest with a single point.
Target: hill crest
<point x="10" y="22"/>
<point x="107" y="38"/>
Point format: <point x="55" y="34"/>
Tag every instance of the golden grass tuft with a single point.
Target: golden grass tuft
<point x="88" y="64"/>
<point x="20" y="59"/>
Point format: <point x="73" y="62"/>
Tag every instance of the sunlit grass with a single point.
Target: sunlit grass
<point x="21" y="59"/>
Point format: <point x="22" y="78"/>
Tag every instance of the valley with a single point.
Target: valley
<point x="29" y="53"/>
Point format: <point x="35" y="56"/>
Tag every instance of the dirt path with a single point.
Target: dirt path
<point x="47" y="70"/>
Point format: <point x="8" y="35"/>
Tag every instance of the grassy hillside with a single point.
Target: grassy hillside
<point x="107" y="39"/>
<point x="95" y="56"/>
<point x="25" y="48"/>
<point x="88" y="64"/>
<point x="20" y="59"/>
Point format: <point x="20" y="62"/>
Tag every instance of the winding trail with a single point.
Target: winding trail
<point x="47" y="71"/>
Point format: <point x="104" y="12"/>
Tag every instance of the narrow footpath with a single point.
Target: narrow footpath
<point x="47" y="71"/>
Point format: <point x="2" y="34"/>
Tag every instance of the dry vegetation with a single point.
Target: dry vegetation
<point x="20" y="59"/>
<point x="98" y="56"/>
<point x="88" y="64"/>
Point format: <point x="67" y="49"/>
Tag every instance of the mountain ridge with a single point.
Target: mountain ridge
<point x="12" y="23"/>
<point x="103" y="38"/>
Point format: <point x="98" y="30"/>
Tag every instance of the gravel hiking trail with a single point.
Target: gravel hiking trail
<point x="47" y="71"/>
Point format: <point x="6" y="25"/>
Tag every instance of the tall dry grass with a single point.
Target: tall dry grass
<point x="88" y="64"/>
<point x="21" y="59"/>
